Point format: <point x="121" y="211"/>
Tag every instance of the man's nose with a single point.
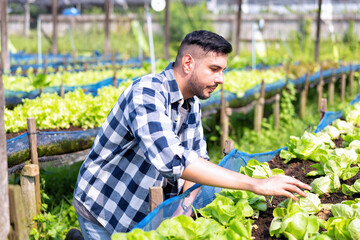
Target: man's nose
<point x="220" y="78"/>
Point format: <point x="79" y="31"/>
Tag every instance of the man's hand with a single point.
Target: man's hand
<point x="280" y="185"/>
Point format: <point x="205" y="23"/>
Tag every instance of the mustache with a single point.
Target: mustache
<point x="213" y="86"/>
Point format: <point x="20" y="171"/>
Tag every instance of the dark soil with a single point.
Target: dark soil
<point x="297" y="168"/>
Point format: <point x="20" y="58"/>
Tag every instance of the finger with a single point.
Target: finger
<point x="288" y="194"/>
<point x="299" y="183"/>
<point x="294" y="189"/>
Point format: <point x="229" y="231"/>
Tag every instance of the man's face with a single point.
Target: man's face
<point x="207" y="74"/>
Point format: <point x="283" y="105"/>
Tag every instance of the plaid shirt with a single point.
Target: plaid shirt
<point x="140" y="143"/>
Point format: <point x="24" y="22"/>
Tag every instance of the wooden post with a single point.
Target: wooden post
<point x="18" y="219"/>
<point x="358" y="90"/>
<point x="320" y="86"/>
<point x="259" y="108"/>
<point x="303" y="97"/>
<point x="107" y="27"/>
<point x="229" y="145"/>
<point x="343" y="84"/>
<point x="64" y="62"/>
<point x="351" y="80"/>
<point x="4" y="197"/>
<point x="238" y="28"/>
<point x="62" y="91"/>
<point x="4" y="35"/>
<point x="54" y="47"/>
<point x="45" y="63"/>
<point x="318" y="25"/>
<point x="28" y="188"/>
<point x="323" y="107"/>
<point x="224" y="121"/>
<point x="277" y="112"/>
<point x="332" y="87"/>
<point x="156" y="196"/>
<point x="34" y="158"/>
<point x="167" y="29"/>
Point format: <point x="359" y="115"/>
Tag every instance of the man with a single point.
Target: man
<point x="153" y="136"/>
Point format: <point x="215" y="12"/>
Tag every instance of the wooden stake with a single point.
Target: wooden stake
<point x="27" y="181"/>
<point x="224" y="121"/>
<point x="114" y="67"/>
<point x="34" y="158"/>
<point x="18" y="219"/>
<point x="156" y="196"/>
<point x="303" y="97"/>
<point x="323" y="107"/>
<point x="319" y="87"/>
<point x="45" y="63"/>
<point x="358" y="90"/>
<point x="277" y="112"/>
<point x="351" y="80"/>
<point x="229" y="145"/>
<point x="62" y="91"/>
<point x="343" y="84"/>
<point x="332" y="87"/>
<point x="259" y="108"/>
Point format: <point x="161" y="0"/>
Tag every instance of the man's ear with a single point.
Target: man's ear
<point x="188" y="63"/>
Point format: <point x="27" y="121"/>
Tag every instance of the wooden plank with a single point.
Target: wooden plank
<point x="358" y="90"/>
<point x="34" y="158"/>
<point x="29" y="194"/>
<point x="156" y="197"/>
<point x="224" y="121"/>
<point x="259" y="108"/>
<point x="18" y="218"/>
<point x="4" y="197"/>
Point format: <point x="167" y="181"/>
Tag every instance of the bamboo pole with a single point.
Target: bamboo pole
<point x="343" y="84"/>
<point x="4" y="195"/>
<point x="34" y="158"/>
<point x="351" y="80"/>
<point x="303" y="97"/>
<point x="319" y="87"/>
<point x="332" y="87"/>
<point x="277" y="112"/>
<point x="224" y="121"/>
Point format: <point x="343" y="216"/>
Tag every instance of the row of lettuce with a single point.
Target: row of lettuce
<point x="87" y="111"/>
<point x="231" y="215"/>
<point x="249" y="79"/>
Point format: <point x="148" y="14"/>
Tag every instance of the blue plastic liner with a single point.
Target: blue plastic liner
<point x="233" y="161"/>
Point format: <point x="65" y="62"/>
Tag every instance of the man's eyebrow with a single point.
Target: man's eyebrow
<point x="217" y="66"/>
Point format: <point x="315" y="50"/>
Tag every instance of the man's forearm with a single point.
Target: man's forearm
<point x="207" y="173"/>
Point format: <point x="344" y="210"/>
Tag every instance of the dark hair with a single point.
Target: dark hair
<point x="208" y="41"/>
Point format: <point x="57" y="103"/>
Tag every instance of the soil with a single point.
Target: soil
<point x="297" y="168"/>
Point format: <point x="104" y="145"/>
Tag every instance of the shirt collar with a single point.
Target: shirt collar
<point x="175" y="93"/>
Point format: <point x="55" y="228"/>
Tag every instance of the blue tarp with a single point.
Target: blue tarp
<point x="233" y="161"/>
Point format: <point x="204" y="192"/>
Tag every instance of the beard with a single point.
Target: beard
<point x="197" y="89"/>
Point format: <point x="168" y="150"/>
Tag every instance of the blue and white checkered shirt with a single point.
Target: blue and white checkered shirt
<point x="140" y="143"/>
